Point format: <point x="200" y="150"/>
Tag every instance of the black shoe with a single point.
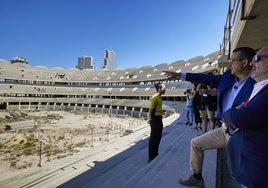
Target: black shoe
<point x="187" y="123"/>
<point x="152" y="158"/>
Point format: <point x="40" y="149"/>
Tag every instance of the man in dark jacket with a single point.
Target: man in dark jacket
<point x="234" y="87"/>
<point x="248" y="147"/>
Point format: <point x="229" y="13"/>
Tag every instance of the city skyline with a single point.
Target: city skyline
<point x="143" y="32"/>
<point x="108" y="61"/>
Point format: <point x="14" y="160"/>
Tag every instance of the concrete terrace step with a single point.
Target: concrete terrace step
<point x="173" y="163"/>
<point x="130" y="168"/>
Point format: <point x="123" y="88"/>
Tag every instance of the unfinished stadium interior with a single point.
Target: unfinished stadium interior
<point x="123" y="93"/>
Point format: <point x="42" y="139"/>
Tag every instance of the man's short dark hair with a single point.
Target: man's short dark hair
<point x="157" y="85"/>
<point x="245" y="53"/>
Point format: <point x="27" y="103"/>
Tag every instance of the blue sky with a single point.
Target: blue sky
<point x="54" y="33"/>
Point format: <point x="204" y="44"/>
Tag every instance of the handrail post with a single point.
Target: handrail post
<point x="230" y="11"/>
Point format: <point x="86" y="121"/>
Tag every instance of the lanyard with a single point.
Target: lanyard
<point x="248" y="99"/>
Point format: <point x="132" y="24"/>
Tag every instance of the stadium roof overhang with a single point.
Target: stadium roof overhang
<point x="251" y="27"/>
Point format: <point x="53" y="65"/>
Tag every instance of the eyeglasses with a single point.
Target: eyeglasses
<point x="256" y="58"/>
<point x="231" y="130"/>
<point x="232" y="60"/>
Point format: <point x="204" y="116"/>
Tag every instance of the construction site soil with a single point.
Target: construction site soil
<point x="56" y="135"/>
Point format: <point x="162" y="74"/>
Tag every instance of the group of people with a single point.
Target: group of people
<point x="201" y="103"/>
<point x="242" y="103"/>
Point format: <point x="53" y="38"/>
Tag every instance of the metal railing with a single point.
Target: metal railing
<point x="232" y="13"/>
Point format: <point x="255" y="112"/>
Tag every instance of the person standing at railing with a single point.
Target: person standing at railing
<point x="189" y="107"/>
<point x="234" y="87"/>
<point x="155" y="121"/>
<point x="208" y="103"/>
<point x="248" y="147"/>
<point x="196" y="107"/>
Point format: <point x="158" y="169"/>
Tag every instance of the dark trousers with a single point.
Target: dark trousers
<point x="197" y="117"/>
<point x="155" y="136"/>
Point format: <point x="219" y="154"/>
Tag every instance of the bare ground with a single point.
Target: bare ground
<point x="20" y="149"/>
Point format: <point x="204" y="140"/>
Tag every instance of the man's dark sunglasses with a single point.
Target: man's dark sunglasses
<point x="257" y="57"/>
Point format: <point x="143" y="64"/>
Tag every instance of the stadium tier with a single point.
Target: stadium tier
<point x="24" y="87"/>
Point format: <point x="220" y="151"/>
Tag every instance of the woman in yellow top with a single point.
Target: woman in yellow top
<point x="156" y="123"/>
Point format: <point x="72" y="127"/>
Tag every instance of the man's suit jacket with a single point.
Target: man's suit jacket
<point x="248" y="147"/>
<point x="223" y="83"/>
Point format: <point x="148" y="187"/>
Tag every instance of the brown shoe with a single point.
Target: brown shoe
<point x="192" y="181"/>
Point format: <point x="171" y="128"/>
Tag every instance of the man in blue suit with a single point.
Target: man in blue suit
<point x="234" y="87"/>
<point x="248" y="147"/>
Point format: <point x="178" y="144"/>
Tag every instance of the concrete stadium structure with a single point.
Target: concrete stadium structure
<point x="23" y="86"/>
<point x="127" y="91"/>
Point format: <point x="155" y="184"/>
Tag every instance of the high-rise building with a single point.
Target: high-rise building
<point x="85" y="62"/>
<point x="109" y="60"/>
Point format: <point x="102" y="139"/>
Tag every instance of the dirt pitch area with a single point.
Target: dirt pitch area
<point x="59" y="133"/>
